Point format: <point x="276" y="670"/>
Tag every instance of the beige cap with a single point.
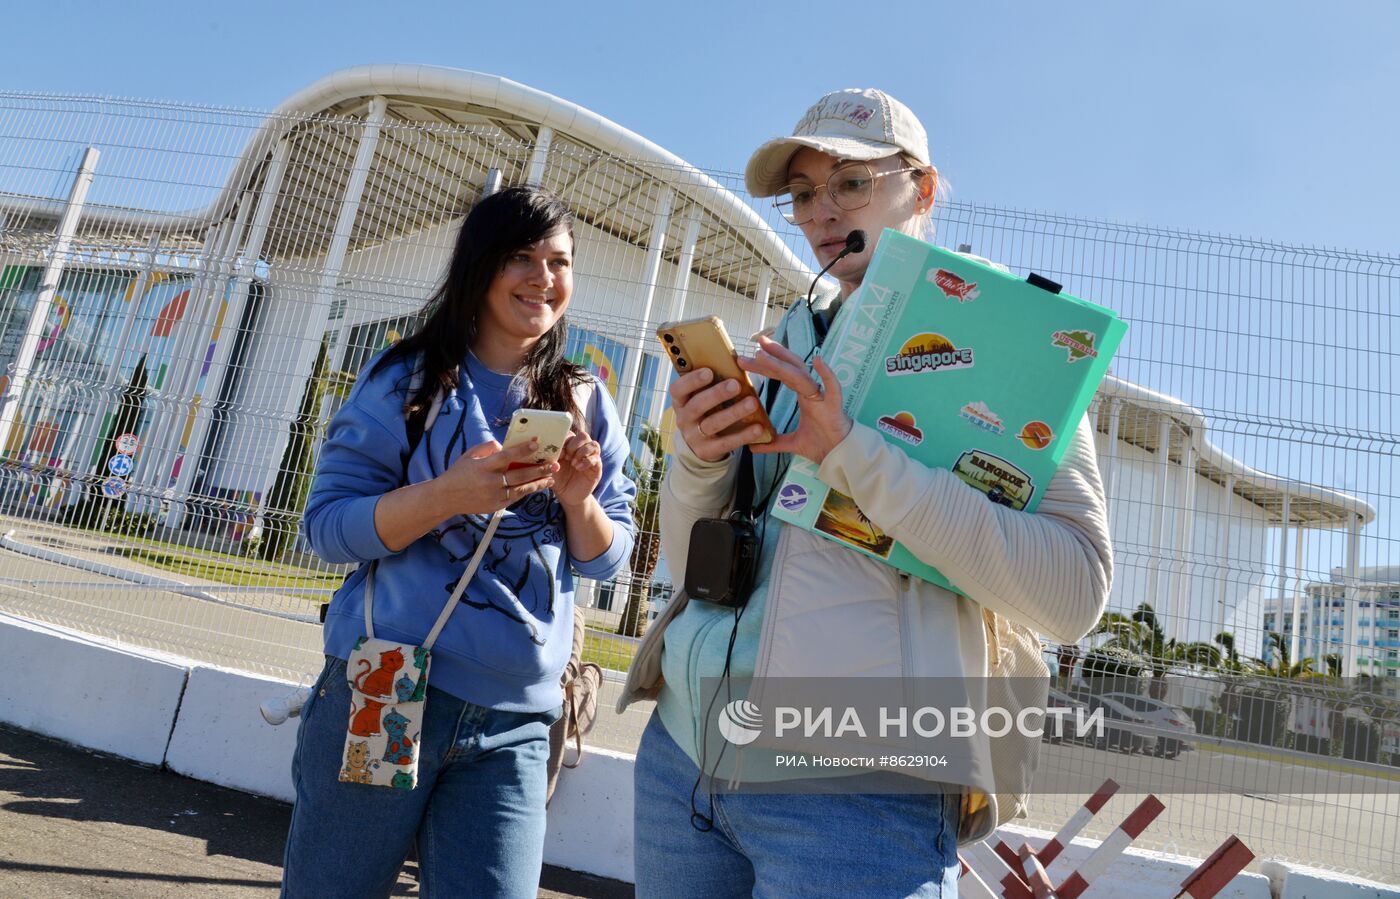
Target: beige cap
<point x="855" y="123"/>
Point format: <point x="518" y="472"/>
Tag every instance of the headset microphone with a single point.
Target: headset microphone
<point x="855" y="243"/>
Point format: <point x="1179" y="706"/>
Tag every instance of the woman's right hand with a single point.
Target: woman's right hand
<point x="698" y="416"/>
<point x="478" y="483"/>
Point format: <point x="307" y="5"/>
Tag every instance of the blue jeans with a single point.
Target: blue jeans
<point x="785" y="845"/>
<point x="477" y="814"/>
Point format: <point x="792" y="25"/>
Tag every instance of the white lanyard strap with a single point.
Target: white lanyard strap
<point x="456" y="593"/>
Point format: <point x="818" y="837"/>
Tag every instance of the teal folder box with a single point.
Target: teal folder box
<point x="962" y="366"/>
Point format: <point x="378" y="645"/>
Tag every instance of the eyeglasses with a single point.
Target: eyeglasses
<point x="850" y="187"/>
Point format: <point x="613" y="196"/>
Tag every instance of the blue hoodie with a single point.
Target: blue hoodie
<point x="507" y="643"/>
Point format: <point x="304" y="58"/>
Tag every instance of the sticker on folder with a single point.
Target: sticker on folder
<point x="841" y="519"/>
<point x="928" y="352"/>
<point x="981" y="416"/>
<point x="901" y="426"/>
<point x="1002" y="481"/>
<point x="1036" y="435"/>
<point x="953" y="285"/>
<point x="1079" y="343"/>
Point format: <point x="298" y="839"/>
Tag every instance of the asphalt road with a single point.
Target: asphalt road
<point x="75" y="823"/>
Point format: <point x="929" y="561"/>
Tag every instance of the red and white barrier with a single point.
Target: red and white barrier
<point x="1122" y="836"/>
<point x="1216" y="872"/>
<point x="1077" y="822"/>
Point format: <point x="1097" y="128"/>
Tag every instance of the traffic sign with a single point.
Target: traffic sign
<point x="127" y="444"/>
<point x="119" y="465"/>
<point x="113" y="488"/>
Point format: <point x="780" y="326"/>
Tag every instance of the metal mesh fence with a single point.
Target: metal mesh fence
<point x="182" y="311"/>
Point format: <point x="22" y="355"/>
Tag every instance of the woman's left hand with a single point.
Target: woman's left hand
<point x="824" y="423"/>
<point x="580" y="470"/>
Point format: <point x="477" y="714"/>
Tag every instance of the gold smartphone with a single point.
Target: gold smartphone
<point x="703" y="343"/>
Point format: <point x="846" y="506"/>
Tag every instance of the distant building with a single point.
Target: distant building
<point x="1374" y="634"/>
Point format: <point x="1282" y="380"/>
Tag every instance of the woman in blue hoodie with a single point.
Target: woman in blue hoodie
<point x="492" y="341"/>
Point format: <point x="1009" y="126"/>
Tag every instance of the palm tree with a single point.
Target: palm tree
<point x="646" y="548"/>
<point x="1278" y="663"/>
<point x="869" y="526"/>
<point x="1142" y="634"/>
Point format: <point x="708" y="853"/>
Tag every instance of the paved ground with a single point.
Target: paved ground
<point x="74" y="823"/>
<point x="1352" y="827"/>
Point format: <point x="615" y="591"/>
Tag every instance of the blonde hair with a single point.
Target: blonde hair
<point x="942" y="190"/>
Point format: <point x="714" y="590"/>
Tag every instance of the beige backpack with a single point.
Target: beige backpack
<point x="582" y="682"/>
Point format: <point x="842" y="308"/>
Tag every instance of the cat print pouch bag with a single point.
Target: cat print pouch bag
<point x="389" y="693"/>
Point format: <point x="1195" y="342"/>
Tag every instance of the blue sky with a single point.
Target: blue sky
<point x="1267" y="119"/>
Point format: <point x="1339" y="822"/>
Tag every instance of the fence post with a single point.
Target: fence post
<point x="48" y="287"/>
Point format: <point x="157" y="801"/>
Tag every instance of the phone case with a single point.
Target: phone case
<point x="552" y="428"/>
<point x="704" y="343"/>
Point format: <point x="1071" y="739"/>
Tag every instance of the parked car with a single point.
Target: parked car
<point x="1115" y="735"/>
<point x="1067" y="732"/>
<point x="1163" y="715"/>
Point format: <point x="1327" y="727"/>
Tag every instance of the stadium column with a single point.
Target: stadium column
<point x="225" y="333"/>
<point x="761" y="294"/>
<point x="1285" y="520"/>
<point x="318" y="315"/>
<point x="539" y="157"/>
<point x="1185" y="531"/>
<point x="679" y="290"/>
<point x="48" y="286"/>
<point x="1224" y="562"/>
<point x="1351" y="601"/>
<point x="208" y="304"/>
<point x="656" y="244"/>
<point x="1162" y="487"/>
<point x="158" y="449"/>
<point x="1110" y="456"/>
<point x="1298" y="595"/>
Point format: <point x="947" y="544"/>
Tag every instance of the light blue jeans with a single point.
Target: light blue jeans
<point x="785" y="845"/>
<point x="477" y="814"/>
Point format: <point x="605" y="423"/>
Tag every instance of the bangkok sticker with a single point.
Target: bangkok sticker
<point x="953" y="286"/>
<point x="1000" y="480"/>
<point x="901" y="426"/>
<point x="1036" y="435"/>
<point x="981" y="416"/>
<point x="1079" y="343"/>
<point x="925" y="353"/>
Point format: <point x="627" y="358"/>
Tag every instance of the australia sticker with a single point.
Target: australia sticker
<point x="1002" y="482"/>
<point x="1079" y="343"/>
<point x="792" y="497"/>
<point x="982" y="417"/>
<point x="953" y="285"/>
<point x="1036" y="435"/>
<point x="928" y="353"/>
<point x="901" y="426"/>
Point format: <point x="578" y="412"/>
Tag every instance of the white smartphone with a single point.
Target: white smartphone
<point x="552" y="429"/>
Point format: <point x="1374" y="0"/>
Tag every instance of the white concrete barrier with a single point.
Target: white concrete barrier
<point x="86" y="691"/>
<point x="221" y="738"/>
<point x="1299" y="882"/>
<point x="590" y="818"/>
<point x="203" y="722"/>
<point x="1137" y="872"/>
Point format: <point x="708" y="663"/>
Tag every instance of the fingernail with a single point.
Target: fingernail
<point x="750" y="404"/>
<point x="706" y="374"/>
<point x="731" y="387"/>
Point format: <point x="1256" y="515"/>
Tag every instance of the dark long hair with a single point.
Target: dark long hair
<point x="496" y="227"/>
